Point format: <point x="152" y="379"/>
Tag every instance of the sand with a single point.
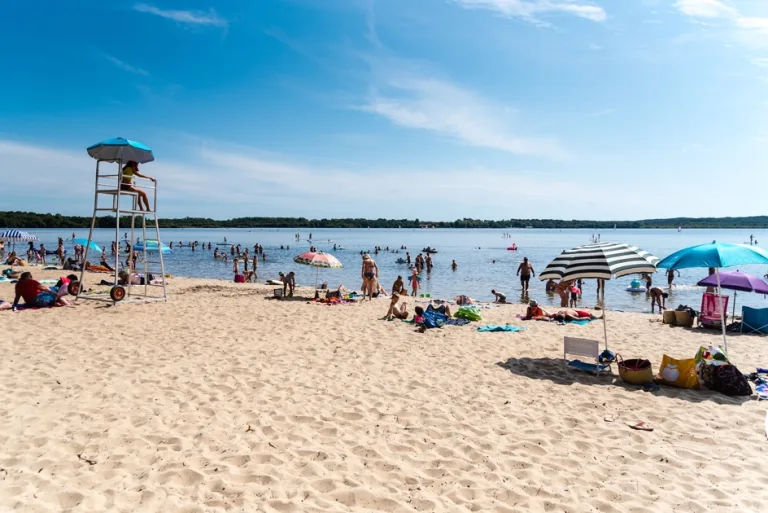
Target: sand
<point x="221" y="400"/>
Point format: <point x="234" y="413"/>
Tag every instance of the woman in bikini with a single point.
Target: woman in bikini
<point x="130" y="170"/>
<point x="370" y="275"/>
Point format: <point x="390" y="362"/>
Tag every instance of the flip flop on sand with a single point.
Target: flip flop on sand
<point x="641" y="426"/>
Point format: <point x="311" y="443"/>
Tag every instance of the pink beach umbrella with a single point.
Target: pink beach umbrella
<point x="318" y="260"/>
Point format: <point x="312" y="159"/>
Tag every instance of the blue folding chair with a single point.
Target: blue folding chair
<point x="754" y="320"/>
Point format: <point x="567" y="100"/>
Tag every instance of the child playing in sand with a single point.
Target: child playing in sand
<point x="500" y="297"/>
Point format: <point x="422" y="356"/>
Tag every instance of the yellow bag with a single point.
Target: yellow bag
<point x="678" y="373"/>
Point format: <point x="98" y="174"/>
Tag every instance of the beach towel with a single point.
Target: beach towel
<point x="492" y="327"/>
<point x="581" y="322"/>
<point x="456" y="322"/>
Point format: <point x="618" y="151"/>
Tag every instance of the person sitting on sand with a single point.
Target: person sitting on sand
<point x="13" y="259"/>
<point x="398" y="287"/>
<point x="104" y="262"/>
<point x="35" y="294"/>
<point x="418" y="315"/>
<point x="500" y="297"/>
<point x="130" y="170"/>
<point x="394" y="312"/>
<point x="658" y="297"/>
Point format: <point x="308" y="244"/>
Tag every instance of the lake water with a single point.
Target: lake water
<point x="475" y="252"/>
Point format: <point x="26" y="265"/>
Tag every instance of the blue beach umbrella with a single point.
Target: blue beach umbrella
<point x="151" y="245"/>
<point x="717" y="255"/>
<point x="91" y="245"/>
<point x="120" y="149"/>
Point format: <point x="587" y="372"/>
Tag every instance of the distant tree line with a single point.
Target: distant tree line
<point x="36" y="220"/>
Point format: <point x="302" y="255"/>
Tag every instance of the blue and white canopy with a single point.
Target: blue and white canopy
<point x="151" y="245"/>
<point x="120" y="149"/>
<point x="16" y="236"/>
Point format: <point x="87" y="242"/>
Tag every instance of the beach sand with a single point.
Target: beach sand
<point x="221" y="400"/>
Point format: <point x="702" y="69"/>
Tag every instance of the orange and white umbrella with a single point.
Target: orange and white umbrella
<point x="318" y="260"/>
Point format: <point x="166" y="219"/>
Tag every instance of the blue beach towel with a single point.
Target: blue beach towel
<point x="492" y="327"/>
<point x="582" y="322"/>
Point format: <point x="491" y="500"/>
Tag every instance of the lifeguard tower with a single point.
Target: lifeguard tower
<point x="110" y="197"/>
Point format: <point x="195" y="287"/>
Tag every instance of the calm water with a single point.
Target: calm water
<point x="477" y="273"/>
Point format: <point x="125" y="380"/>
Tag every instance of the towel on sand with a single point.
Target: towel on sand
<point x="492" y="327"/>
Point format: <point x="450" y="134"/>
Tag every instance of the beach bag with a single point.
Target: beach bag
<point x="434" y="319"/>
<point x="469" y="313"/>
<point x="636" y="371"/>
<point x="678" y="373"/>
<point x="729" y="380"/>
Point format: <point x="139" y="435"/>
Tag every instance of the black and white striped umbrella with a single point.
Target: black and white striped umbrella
<point x="601" y="261"/>
<point x="16" y="236"/>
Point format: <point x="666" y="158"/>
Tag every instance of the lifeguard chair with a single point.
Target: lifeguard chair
<point x="109" y="197"/>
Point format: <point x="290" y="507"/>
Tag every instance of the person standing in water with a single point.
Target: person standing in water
<point x="671" y="276"/>
<point x="525" y="271"/>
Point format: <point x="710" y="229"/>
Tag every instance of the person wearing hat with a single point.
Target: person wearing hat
<point x="535" y="312"/>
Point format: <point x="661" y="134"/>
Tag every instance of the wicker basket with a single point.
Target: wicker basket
<point x="635" y="371"/>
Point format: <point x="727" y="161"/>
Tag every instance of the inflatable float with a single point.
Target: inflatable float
<point x="636" y="286"/>
<point x="53" y="252"/>
<point x="512" y="248"/>
<point x="429" y="250"/>
<point x="400" y="261"/>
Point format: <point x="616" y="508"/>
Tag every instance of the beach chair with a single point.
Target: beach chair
<point x="754" y="320"/>
<point x="583" y="347"/>
<point x="710" y="309"/>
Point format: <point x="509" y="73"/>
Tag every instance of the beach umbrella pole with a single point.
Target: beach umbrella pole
<point x="721" y="308"/>
<point x="605" y="326"/>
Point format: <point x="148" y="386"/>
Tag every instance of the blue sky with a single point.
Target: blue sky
<point x="436" y="109"/>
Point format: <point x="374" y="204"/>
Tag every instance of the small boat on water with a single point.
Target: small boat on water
<point x="429" y="250"/>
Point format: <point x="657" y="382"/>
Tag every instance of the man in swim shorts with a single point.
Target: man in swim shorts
<point x="525" y="271"/>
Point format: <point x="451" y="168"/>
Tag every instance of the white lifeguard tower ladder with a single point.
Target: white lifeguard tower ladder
<point x="110" y="197"/>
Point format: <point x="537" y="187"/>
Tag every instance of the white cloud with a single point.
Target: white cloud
<point x="753" y="23"/>
<point x="530" y="9"/>
<point x="445" y="108"/>
<point x="187" y="17"/>
<point x="125" y="66"/>
<point x="705" y="8"/>
<point x="749" y="31"/>
<point x="762" y="62"/>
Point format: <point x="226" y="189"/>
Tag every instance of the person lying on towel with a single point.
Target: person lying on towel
<point x="35" y="294"/>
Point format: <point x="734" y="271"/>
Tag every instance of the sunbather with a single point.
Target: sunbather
<point x="535" y="312"/>
<point x="35" y="294"/>
<point x="399" y="287"/>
